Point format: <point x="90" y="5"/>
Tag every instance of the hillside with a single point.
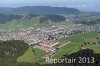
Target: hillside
<point x="28" y="20"/>
<point x="33" y="20"/>
<point x="40" y="10"/>
<point x="10" y="50"/>
<point x="9" y="17"/>
<point x="53" y="18"/>
<point x="85" y="54"/>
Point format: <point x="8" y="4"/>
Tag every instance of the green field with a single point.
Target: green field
<point x="76" y="43"/>
<point x="31" y="56"/>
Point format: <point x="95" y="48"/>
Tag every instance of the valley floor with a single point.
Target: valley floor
<point x="75" y="43"/>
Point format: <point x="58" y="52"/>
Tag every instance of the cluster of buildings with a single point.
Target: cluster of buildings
<point x="45" y="37"/>
<point x="45" y="33"/>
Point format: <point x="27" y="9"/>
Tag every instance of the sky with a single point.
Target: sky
<point x="83" y="5"/>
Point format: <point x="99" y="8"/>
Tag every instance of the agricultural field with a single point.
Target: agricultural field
<point x="76" y="42"/>
<point x="31" y="55"/>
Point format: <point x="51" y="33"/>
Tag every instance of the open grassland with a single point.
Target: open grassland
<point x="76" y="42"/>
<point x="31" y="56"/>
<point x="67" y="49"/>
<point x="95" y="48"/>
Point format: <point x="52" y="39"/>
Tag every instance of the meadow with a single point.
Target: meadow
<point x="31" y="55"/>
<point x="77" y="41"/>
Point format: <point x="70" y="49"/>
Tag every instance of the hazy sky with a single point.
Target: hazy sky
<point x="87" y="5"/>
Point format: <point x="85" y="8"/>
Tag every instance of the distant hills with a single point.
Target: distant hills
<point x="53" y="18"/>
<point x="9" y="17"/>
<point x="4" y="18"/>
<point x="39" y="10"/>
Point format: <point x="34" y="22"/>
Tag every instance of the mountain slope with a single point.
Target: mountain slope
<point x="40" y="10"/>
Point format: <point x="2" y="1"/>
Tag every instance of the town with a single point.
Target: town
<point x="45" y="38"/>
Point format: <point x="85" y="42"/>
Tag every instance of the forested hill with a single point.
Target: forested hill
<point x="40" y="10"/>
<point x="53" y="18"/>
<point x="10" y="50"/>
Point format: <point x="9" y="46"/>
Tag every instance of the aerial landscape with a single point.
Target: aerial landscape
<point x="45" y="35"/>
